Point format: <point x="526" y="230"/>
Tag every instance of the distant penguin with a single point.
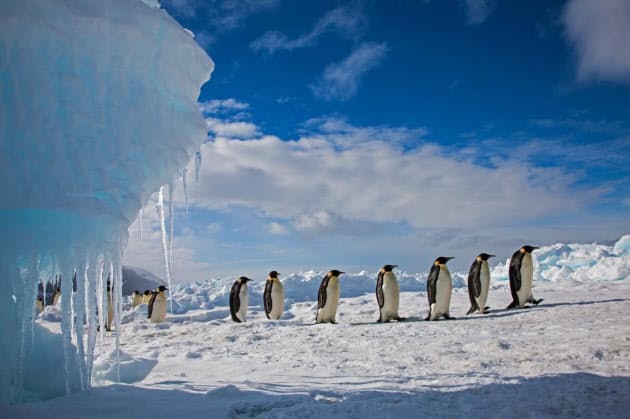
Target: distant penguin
<point x="521" y="277"/>
<point x="136" y="299"/>
<point x="387" y="295"/>
<point x="110" y="308"/>
<point x="157" y="305"/>
<point x="56" y="296"/>
<point x="239" y="299"/>
<point x="328" y="298"/>
<point x="39" y="304"/>
<point x="479" y="284"/>
<point x="439" y="287"/>
<point x="146" y="296"/>
<point x="273" y="297"/>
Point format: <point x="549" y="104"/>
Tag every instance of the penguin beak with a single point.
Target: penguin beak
<point x="491" y="256"/>
<point x="450" y="257"/>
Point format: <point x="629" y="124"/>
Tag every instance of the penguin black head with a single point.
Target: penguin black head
<point x="388" y="268"/>
<point x="484" y="256"/>
<point x="39" y="298"/>
<point x="273" y="274"/>
<point x="58" y="289"/>
<point x="136" y="292"/>
<point x="162" y="288"/>
<point x="244" y="279"/>
<point x="443" y="259"/>
<point x="335" y="272"/>
<point x="528" y="249"/>
<point x="147" y="292"/>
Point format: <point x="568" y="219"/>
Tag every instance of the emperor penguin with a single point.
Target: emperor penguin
<point x="479" y="284"/>
<point x="110" y="308"/>
<point x="239" y="299"/>
<point x="521" y="277"/>
<point x="146" y="296"/>
<point x="387" y="295"/>
<point x="136" y="299"/>
<point x="328" y="298"/>
<point x="273" y="297"/>
<point x="56" y="296"/>
<point x="157" y="305"/>
<point x="439" y="287"/>
<point x="39" y="304"/>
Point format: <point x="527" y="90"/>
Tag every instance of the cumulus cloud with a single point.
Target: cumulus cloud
<point x="317" y="185"/>
<point x="600" y="34"/>
<point x="235" y="129"/>
<point x="477" y="11"/>
<point x="341" y="19"/>
<point x="341" y="80"/>
<point x="278" y="229"/>
<point x="222" y="105"/>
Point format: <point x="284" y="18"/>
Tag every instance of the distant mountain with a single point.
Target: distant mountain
<point x="139" y="279"/>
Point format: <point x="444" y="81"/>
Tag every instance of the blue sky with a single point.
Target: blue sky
<point x="355" y="134"/>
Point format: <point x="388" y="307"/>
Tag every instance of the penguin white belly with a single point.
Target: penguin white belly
<point x="244" y="302"/>
<point x="136" y="301"/>
<point x="277" y="301"/>
<point x="329" y="311"/>
<point x="484" y="278"/>
<point x="442" y="295"/>
<point x="391" y="294"/>
<point x="159" y="309"/>
<point x="527" y="275"/>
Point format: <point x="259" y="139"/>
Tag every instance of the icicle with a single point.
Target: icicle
<point x="185" y="185"/>
<point x="117" y="301"/>
<point x="101" y="304"/>
<point x="78" y="306"/>
<point x="90" y="309"/>
<point x="171" y="221"/>
<point x="197" y="168"/>
<point x="160" y="209"/>
<point x="66" y="318"/>
<point x="140" y="214"/>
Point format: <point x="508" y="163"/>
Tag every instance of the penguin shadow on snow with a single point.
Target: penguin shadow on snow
<point x="585" y="303"/>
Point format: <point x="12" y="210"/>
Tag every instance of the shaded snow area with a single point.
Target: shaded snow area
<point x="567" y="357"/>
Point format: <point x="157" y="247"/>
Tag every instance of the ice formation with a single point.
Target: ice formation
<point x="97" y="111"/>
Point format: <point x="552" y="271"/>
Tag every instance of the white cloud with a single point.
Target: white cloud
<point x="317" y="185"/>
<point x="599" y="31"/>
<point x="341" y="80"/>
<point x="238" y="129"/>
<point x="222" y="105"/>
<point x="278" y="229"/>
<point x="341" y="19"/>
<point x="477" y="11"/>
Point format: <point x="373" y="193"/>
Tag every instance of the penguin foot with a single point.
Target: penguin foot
<point x="537" y="301"/>
<point x="427" y="318"/>
<point x="379" y="320"/>
<point x="513" y="304"/>
<point x="333" y="322"/>
<point x="447" y="317"/>
<point x="400" y="319"/>
<point x="471" y="310"/>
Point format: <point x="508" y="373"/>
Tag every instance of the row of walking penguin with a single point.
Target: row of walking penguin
<point x="439" y="288"/>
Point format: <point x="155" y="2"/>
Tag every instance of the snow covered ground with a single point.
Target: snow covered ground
<point x="568" y="357"/>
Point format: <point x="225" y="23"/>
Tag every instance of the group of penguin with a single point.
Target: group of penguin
<point x="155" y="300"/>
<point x="439" y="288"/>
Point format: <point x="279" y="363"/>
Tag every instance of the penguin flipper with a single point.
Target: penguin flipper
<point x="235" y="303"/>
<point x="513" y="304"/>
<point x="150" y="307"/>
<point x="380" y="296"/>
<point x="321" y="295"/>
<point x="267" y="298"/>
<point x="432" y="284"/>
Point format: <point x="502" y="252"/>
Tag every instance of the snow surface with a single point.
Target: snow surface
<point x="568" y="357"/>
<point x="98" y="109"/>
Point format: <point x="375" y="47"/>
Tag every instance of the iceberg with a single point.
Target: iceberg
<point x="98" y="110"/>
